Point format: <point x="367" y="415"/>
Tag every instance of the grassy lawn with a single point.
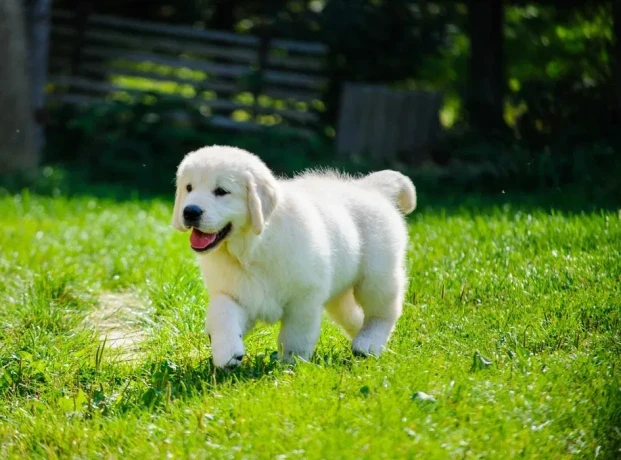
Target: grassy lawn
<point x="537" y="294"/>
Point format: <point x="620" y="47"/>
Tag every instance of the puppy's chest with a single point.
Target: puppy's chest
<point x="252" y="289"/>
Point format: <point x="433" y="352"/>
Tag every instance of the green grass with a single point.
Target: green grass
<point x="536" y="293"/>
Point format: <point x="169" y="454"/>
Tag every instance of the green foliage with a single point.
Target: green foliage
<point x="560" y="107"/>
<point x="561" y="75"/>
<point x="509" y="343"/>
<point x="141" y="144"/>
<point x="547" y="43"/>
<point x="137" y="147"/>
<point x="559" y="72"/>
<point x="592" y="168"/>
<point x="425" y="44"/>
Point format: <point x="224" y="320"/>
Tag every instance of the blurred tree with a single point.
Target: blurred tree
<point x="38" y="25"/>
<point x="18" y="152"/>
<point x="561" y="74"/>
<point x="487" y="77"/>
<point x="616" y="14"/>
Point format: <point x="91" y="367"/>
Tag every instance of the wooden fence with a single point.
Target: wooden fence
<point x="238" y="81"/>
<point x="387" y="125"/>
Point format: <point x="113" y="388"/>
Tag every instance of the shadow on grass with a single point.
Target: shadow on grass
<point x="168" y="381"/>
<point x="450" y="198"/>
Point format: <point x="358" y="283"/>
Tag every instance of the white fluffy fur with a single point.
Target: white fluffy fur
<point x="297" y="245"/>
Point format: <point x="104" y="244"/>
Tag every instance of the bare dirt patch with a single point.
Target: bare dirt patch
<point x="120" y="319"/>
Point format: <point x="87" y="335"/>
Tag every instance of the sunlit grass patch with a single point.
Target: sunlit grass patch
<point x="511" y="331"/>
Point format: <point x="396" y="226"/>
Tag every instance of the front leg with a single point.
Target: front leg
<point x="226" y="323"/>
<point x="299" y="331"/>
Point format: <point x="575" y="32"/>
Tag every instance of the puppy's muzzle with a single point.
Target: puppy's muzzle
<point x="192" y="215"/>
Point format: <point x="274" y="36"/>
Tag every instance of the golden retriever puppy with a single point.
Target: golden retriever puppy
<point x="283" y="249"/>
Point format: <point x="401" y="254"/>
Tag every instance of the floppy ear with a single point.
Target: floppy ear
<point x="177" y="221"/>
<point x="262" y="199"/>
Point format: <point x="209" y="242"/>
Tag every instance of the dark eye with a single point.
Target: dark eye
<point x="188" y="187"/>
<point x="220" y="192"/>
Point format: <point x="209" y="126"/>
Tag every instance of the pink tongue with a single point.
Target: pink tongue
<point x="200" y="240"/>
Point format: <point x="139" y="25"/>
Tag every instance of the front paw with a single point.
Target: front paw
<point x="291" y="356"/>
<point x="227" y="353"/>
<point x="365" y="346"/>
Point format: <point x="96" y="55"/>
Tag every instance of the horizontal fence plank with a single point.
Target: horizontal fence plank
<point x="227" y="123"/>
<point x="222" y="70"/>
<point x="218" y="69"/>
<point x="292" y="115"/>
<point x="294" y="79"/>
<point x="218" y="86"/>
<point x="86" y="84"/>
<point x="180" y="47"/>
<point x="177" y="31"/>
<point x="103" y="87"/>
<point x="293" y="94"/>
<point x="300" y="47"/>
<point x="170" y="45"/>
<point x="112" y="48"/>
<point x="214" y="120"/>
<point x="90" y="85"/>
<point x="295" y="63"/>
<point x="189" y="32"/>
<point x="212" y="51"/>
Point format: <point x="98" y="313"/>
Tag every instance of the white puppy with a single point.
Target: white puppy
<point x="283" y="249"/>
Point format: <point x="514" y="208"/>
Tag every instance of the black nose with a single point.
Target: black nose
<point x="192" y="213"/>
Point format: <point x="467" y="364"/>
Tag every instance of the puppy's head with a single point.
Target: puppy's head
<point x="222" y="193"/>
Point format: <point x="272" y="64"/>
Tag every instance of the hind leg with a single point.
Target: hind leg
<point x="381" y="299"/>
<point x="345" y="312"/>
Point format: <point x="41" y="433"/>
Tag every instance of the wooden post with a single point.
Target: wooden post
<point x="385" y="125"/>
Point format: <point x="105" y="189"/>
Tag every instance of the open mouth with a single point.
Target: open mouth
<point x="202" y="242"/>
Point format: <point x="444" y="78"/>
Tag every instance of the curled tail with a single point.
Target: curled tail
<point x="395" y="186"/>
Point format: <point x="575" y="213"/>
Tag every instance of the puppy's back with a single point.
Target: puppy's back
<point x="397" y="188"/>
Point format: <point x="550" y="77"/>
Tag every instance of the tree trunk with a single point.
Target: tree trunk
<point x="38" y="23"/>
<point x="616" y="14"/>
<point x="17" y="147"/>
<point x="486" y="88"/>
